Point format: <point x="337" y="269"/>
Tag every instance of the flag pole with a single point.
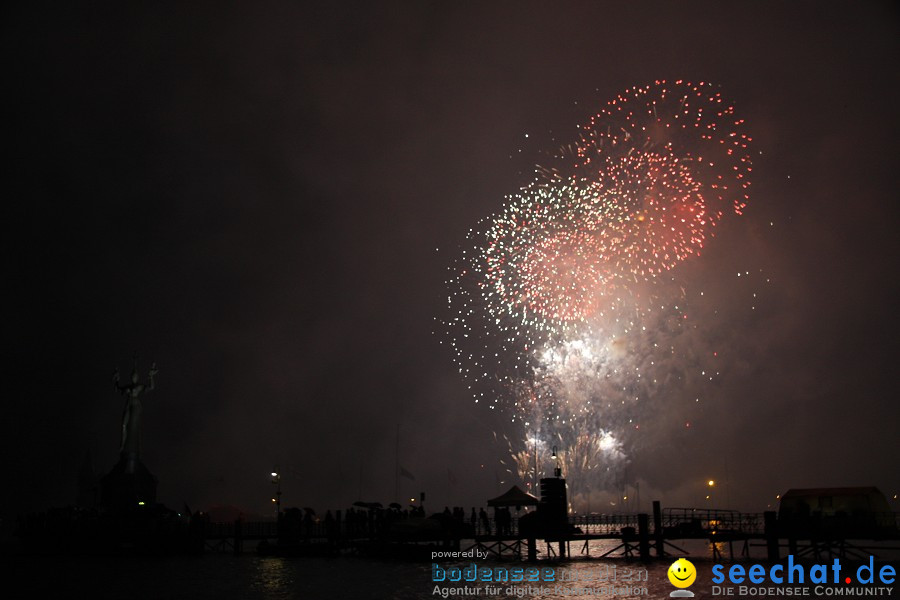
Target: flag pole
<point x="397" y="466"/>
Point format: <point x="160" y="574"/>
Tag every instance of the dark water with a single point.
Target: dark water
<point x="253" y="577"/>
<point x="222" y="576"/>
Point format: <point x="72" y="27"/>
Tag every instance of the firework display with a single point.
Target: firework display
<point x="567" y="310"/>
<point x="689" y="122"/>
<point x="543" y="258"/>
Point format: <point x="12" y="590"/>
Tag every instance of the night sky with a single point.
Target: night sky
<point x="264" y="199"/>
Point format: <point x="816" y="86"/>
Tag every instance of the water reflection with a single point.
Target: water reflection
<point x="274" y="578"/>
<point x="251" y="577"/>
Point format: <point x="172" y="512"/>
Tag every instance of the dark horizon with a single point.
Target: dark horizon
<point x="265" y="201"/>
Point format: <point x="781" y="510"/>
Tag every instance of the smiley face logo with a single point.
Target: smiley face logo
<point x="682" y="573"/>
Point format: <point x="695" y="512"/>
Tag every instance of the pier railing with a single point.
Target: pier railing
<point x="249" y="530"/>
<point x="675" y="523"/>
<point x="690" y="521"/>
<point x="603" y="524"/>
<point x="711" y="521"/>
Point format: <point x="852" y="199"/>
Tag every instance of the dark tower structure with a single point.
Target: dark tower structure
<point x="553" y="507"/>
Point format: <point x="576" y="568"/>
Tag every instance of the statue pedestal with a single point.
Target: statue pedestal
<point x="126" y="485"/>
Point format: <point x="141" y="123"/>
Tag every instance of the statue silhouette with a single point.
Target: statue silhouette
<point x="130" y="448"/>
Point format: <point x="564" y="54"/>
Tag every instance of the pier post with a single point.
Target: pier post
<point x="658" y="530"/>
<point x="532" y="549"/>
<point x="238" y="537"/>
<point x="644" y="536"/>
<point x="771" y="532"/>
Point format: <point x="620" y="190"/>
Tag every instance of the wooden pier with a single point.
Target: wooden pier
<point x="639" y="536"/>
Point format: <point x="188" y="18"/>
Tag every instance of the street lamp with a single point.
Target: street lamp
<point x="276" y="480"/>
<point x="557" y="470"/>
<point x="710" y="484"/>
